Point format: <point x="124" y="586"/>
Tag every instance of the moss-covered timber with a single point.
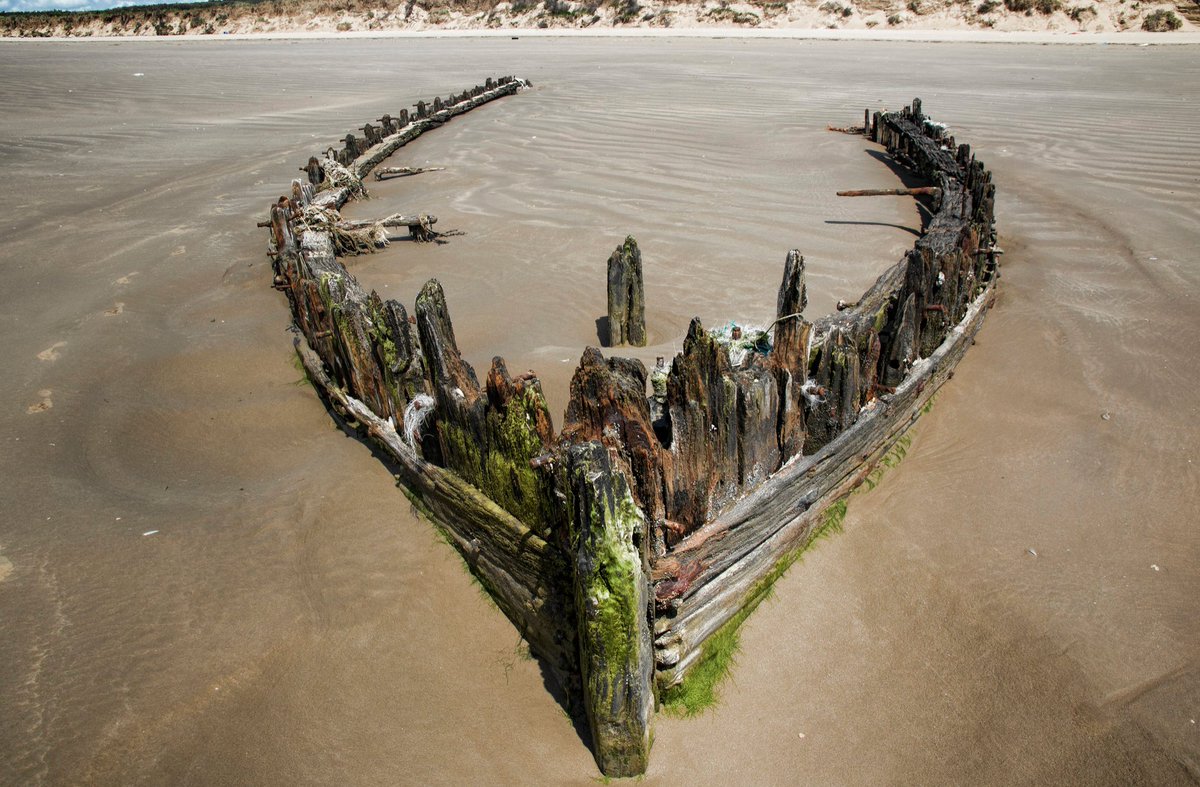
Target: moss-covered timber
<point x="489" y="435"/>
<point x="612" y="598"/>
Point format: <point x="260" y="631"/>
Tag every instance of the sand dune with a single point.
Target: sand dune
<point x="211" y="584"/>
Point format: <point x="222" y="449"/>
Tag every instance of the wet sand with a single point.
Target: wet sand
<point x="289" y="620"/>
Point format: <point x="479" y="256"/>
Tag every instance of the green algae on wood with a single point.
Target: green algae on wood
<point x="697" y="692"/>
<point x="519" y="430"/>
<point x="612" y="597"/>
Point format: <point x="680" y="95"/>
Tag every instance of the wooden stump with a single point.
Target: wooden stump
<point x="608" y="403"/>
<point x="702" y="398"/>
<point x="789" y="354"/>
<point x="626" y="298"/>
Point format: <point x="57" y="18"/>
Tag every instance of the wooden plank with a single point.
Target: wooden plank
<point x="526" y="576"/>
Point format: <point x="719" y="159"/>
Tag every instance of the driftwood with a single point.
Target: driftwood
<point x="620" y="545"/>
<point x="400" y="172"/>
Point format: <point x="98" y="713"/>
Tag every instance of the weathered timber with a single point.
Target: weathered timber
<point x="351" y="149"/>
<point x="620" y="546"/>
<point x="926" y="191"/>
<point x="388" y="125"/>
<point x="702" y="397"/>
<point x="371" y="134"/>
<point x="612" y="597"/>
<point x="488" y="436"/>
<point x="384" y="173"/>
<point x="366" y="160"/>
<point x="745" y="543"/>
<point x="461" y="406"/>
<point x="789" y="354"/>
<point x="527" y="576"/>
<point x="394" y="220"/>
<point x="835" y="396"/>
<point x="608" y="403"/>
<point x="519" y="430"/>
<point x="869" y="369"/>
<point x="377" y="368"/>
<point x="420" y="226"/>
<point x="758" y="415"/>
<point x="314" y="170"/>
<point x="626" y="297"/>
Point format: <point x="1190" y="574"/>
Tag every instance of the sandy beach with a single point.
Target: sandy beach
<point x="203" y="581"/>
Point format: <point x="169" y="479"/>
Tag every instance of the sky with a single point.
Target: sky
<point x="70" y="5"/>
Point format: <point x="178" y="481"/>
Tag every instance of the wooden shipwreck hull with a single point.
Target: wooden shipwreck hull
<point x="671" y="497"/>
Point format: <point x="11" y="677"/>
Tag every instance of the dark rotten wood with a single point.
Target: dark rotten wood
<point x="626" y="298"/>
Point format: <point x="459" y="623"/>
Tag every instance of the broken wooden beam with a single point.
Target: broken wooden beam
<point x="394" y="220"/>
<point x="932" y="191"/>
<point x="402" y="172"/>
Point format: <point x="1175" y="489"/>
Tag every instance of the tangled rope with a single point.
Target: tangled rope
<point x="345" y="242"/>
<point x="415" y="415"/>
<point x="340" y="177"/>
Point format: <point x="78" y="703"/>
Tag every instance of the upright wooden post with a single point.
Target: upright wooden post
<point x="612" y="597"/>
<point x="789" y="354"/>
<point x="626" y="296"/>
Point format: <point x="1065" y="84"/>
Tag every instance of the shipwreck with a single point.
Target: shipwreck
<point x="670" y="498"/>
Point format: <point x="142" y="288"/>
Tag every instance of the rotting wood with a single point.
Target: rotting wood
<point x="789" y="355"/>
<point x="681" y="503"/>
<point x="394" y="220"/>
<point x="612" y="596"/>
<point x="522" y="572"/>
<point x="370" y="158"/>
<point x="903" y="336"/>
<point x="420" y="226"/>
<point x="930" y="191"/>
<point x="728" y="556"/>
<point x="626" y="296"/>
<point x="401" y="172"/>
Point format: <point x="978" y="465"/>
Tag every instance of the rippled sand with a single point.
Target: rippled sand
<point x="211" y="584"/>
